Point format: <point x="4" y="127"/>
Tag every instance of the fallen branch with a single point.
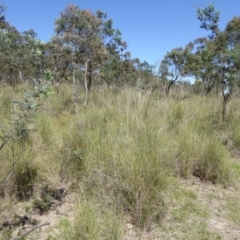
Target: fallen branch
<point x="31" y="230"/>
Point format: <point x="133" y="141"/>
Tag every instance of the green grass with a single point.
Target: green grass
<point x="123" y="153"/>
<point x="90" y="222"/>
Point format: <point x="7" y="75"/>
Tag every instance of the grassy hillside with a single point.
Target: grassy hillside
<point x="134" y="163"/>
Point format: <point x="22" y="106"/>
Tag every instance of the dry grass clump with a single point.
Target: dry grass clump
<point x="203" y="157"/>
<point x="122" y="153"/>
<point x="19" y="171"/>
<point x="124" y="158"/>
<point x="92" y="222"/>
<point x="60" y="100"/>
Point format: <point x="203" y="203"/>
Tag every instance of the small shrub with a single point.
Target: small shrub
<point x="24" y="176"/>
<point x="15" y="135"/>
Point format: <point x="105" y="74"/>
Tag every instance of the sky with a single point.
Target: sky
<point x="151" y="28"/>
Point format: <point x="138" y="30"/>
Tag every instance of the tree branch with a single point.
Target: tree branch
<point x="31" y="230"/>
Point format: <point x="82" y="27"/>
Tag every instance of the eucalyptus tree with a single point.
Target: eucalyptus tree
<point x="10" y="52"/>
<point x="83" y="33"/>
<point x="113" y="69"/>
<point x="21" y="55"/>
<point x="33" y="55"/>
<point x="233" y="33"/>
<point x="2" y="10"/>
<point x="10" y="49"/>
<point x="209" y="19"/>
<point x="231" y="67"/>
<point x="174" y="66"/>
<point x="200" y="64"/>
<point x="145" y="69"/>
<point x="58" y="59"/>
<point x="223" y="49"/>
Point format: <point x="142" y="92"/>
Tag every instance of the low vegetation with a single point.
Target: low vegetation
<point x="97" y="145"/>
<point x="122" y="156"/>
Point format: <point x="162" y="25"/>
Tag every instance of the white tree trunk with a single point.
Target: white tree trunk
<point x="85" y="82"/>
<point x="74" y="88"/>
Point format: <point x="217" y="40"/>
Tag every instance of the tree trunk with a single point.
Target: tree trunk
<point x="226" y="97"/>
<point x="74" y="87"/>
<point x="224" y="109"/>
<point x="89" y="75"/>
<point x="168" y="88"/>
<point x="86" y="82"/>
<point x="20" y="77"/>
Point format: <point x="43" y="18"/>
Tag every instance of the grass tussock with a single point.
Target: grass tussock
<point x="122" y="153"/>
<point x="202" y="156"/>
<point x="90" y="222"/>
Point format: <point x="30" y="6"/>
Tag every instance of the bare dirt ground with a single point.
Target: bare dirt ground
<point x="200" y="211"/>
<point x="59" y="209"/>
<point x="219" y="224"/>
<point x="217" y="200"/>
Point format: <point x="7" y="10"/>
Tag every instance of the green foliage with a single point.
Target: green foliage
<point x="174" y="66"/>
<point x="22" y="115"/>
<point x="221" y="54"/>
<point x="22" y="55"/>
<point x="15" y="136"/>
<point x="209" y="18"/>
<point x="127" y="150"/>
<point x="2" y="10"/>
<point x="125" y="155"/>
